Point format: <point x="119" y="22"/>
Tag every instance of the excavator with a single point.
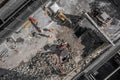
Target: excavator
<point x="55" y="12"/>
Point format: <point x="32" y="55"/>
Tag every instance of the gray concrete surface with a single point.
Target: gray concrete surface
<point x="16" y="56"/>
<point x="30" y="46"/>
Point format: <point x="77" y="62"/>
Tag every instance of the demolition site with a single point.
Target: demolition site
<point x="59" y="40"/>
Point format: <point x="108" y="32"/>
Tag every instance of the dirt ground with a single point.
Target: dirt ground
<point x="29" y="61"/>
<point x="69" y="36"/>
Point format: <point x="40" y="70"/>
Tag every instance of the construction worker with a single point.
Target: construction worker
<point x="49" y="30"/>
<point x="33" y="21"/>
<point x="48" y="36"/>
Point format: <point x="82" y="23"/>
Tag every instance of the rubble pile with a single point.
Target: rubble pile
<point x="43" y="66"/>
<point x="59" y="59"/>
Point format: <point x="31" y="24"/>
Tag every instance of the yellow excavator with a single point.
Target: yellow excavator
<point x="54" y="11"/>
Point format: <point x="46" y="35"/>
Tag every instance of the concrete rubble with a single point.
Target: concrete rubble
<point x="29" y="56"/>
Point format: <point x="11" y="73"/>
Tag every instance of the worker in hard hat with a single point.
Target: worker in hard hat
<point x="34" y="22"/>
<point x="48" y="36"/>
<point x="49" y="30"/>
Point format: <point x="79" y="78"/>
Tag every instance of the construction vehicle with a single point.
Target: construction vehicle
<point x="55" y="12"/>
